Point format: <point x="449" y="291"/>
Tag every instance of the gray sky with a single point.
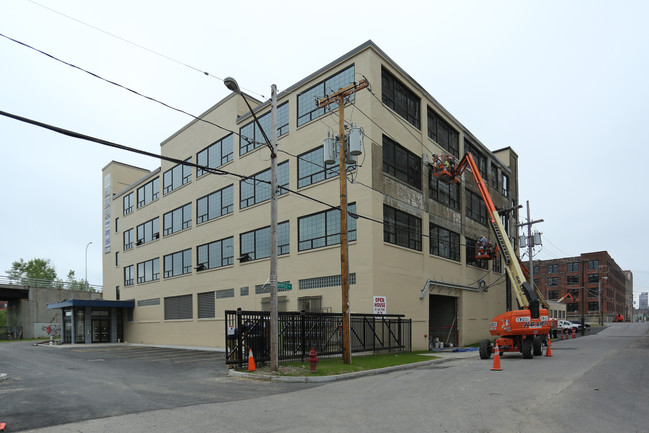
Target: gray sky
<point x="562" y="82"/>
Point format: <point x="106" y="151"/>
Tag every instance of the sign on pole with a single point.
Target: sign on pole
<point x="380" y="305"/>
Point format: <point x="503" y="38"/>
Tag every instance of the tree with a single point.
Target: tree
<point x="38" y="269"/>
<point x="41" y="272"/>
<point x="74" y="284"/>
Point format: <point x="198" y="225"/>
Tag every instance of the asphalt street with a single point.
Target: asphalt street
<point x="593" y="384"/>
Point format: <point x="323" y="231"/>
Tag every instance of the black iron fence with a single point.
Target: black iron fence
<point x="298" y="332"/>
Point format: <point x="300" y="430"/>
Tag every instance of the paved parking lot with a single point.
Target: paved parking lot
<point x="52" y="385"/>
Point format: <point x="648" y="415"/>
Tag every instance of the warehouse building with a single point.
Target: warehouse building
<point x="591" y="285"/>
<point x="185" y="244"/>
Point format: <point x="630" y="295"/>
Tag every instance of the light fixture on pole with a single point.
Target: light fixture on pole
<point x="232" y="85"/>
<point x="87" y="263"/>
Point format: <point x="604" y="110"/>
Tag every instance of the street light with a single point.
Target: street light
<point x="599" y="292"/>
<point x="232" y="85"/>
<point x="87" y="263"/>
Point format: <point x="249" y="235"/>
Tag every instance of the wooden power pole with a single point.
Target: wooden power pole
<point x="339" y="97"/>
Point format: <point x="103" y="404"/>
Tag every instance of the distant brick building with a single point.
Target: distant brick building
<point x="582" y="277"/>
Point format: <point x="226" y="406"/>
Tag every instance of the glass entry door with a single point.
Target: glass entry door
<point x="100" y="330"/>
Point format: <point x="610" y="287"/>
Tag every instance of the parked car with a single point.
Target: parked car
<point x="566" y="326"/>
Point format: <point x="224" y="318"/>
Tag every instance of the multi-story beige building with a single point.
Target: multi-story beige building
<point x="186" y="245"/>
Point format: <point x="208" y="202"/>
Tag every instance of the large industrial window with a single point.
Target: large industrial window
<point x="593" y="278"/>
<point x="178" y="219"/>
<point x="215" y="254"/>
<point x="593" y="306"/>
<point x="214" y="205"/>
<point x="128" y="275"/>
<point x="215" y="155"/>
<point x="178" y="263"/>
<point x="128" y="203"/>
<point x="553" y="294"/>
<point x="479" y="158"/>
<point x="128" y="239"/>
<point x="311" y="168"/>
<point x="593" y="264"/>
<point x="401" y="163"/>
<point x="250" y="136"/>
<point x="448" y="195"/>
<point x="444" y="243"/>
<point x="573" y="266"/>
<point x="493" y="177"/>
<point x="553" y="269"/>
<point x="572" y="307"/>
<point x="206" y="308"/>
<point x="573" y="279"/>
<point x="475" y="207"/>
<point x="148" y="192"/>
<point x="443" y="133"/>
<point x="307" y="102"/>
<point x="505" y="185"/>
<point x="148" y="231"/>
<point x="323" y="228"/>
<point x="252" y="191"/>
<point x="177" y="177"/>
<point x="553" y="281"/>
<point x="399" y="98"/>
<point x="401" y="228"/>
<point x="148" y="271"/>
<point x="179" y="307"/>
<point x="256" y="244"/>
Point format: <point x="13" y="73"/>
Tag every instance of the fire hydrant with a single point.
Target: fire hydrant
<point x="313" y="359"/>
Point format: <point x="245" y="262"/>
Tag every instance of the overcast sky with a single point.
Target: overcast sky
<point x="564" y="83"/>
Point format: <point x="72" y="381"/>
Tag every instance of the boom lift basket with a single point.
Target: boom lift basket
<point x="485" y="250"/>
<point x="445" y="169"/>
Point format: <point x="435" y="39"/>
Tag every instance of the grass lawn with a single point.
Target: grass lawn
<point x="333" y="366"/>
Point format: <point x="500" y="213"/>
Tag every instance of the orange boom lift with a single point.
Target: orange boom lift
<point x="520" y="330"/>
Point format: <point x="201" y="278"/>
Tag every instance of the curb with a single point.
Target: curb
<point x="345" y="376"/>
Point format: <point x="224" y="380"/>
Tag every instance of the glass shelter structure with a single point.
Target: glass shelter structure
<point x="87" y="321"/>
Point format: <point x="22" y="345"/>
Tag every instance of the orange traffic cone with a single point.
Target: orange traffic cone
<point x="251" y="361"/>
<point x="561" y="334"/>
<point x="496" y="366"/>
<point x="574" y="332"/>
<point x="548" y="352"/>
<point x="2" y="426"/>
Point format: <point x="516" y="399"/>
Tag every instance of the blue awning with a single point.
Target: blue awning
<point x="95" y="303"/>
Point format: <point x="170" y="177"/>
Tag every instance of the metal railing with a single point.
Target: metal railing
<point x="301" y="331"/>
<point x="54" y="284"/>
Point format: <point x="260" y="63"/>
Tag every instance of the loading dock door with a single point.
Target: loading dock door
<point x="442" y="319"/>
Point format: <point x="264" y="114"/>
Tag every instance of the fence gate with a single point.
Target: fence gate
<point x="442" y="321"/>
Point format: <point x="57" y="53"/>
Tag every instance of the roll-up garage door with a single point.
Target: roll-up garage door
<point x="442" y="322"/>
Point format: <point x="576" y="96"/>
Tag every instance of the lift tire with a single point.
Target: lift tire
<point x="527" y="348"/>
<point x="485" y="349"/>
<point x="537" y="345"/>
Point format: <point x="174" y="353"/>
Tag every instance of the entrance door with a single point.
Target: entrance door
<point x="100" y="328"/>
<point x="442" y="322"/>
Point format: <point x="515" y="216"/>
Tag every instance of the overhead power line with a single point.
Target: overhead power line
<point x="124" y="87"/>
<point x="164" y="56"/>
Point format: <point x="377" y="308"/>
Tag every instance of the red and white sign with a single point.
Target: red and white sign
<point x="380" y="305"/>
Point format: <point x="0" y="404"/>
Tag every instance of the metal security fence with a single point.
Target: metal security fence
<point x="300" y="331"/>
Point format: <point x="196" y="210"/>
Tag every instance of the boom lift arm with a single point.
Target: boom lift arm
<point x="447" y="170"/>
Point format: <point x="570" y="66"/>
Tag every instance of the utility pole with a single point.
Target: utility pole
<point x="530" y="245"/>
<point x="340" y="97"/>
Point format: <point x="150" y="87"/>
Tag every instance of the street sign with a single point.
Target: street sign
<point x="284" y="286"/>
